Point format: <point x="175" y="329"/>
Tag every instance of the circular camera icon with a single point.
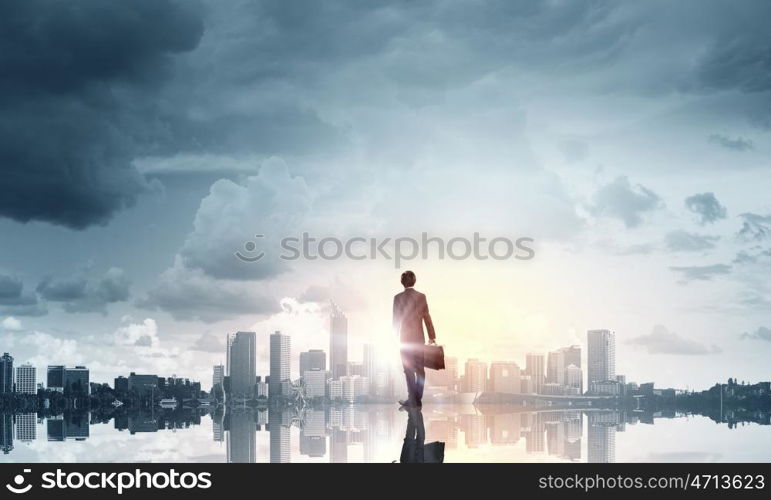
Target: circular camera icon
<point x="250" y="247"/>
<point x="18" y="483"/>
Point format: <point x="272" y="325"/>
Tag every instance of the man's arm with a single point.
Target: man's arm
<point x="429" y="323"/>
<point x="397" y="320"/>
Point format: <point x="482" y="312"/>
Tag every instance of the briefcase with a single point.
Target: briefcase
<point x="433" y="453"/>
<point x="433" y="357"/>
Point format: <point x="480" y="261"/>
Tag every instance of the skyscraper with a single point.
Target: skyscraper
<point x="218" y="376"/>
<point x="475" y="377"/>
<point x="26" y="427"/>
<point x="280" y="347"/>
<point x="76" y="381"/>
<point x="241" y="440"/>
<point x="369" y="363"/>
<point x="280" y="436"/>
<point x="315" y="383"/>
<point x="338" y="343"/>
<point x="242" y="363"/>
<point x="26" y="379"/>
<point x="315" y="359"/>
<point x="555" y="367"/>
<point x="6" y="432"/>
<point x="601" y="357"/>
<point x="534" y="369"/>
<point x="573" y="380"/>
<point x="505" y="377"/>
<point x="6" y="374"/>
<point x="573" y="357"/>
<point x="55" y="378"/>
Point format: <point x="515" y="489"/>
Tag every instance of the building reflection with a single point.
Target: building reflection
<point x="241" y="430"/>
<point x="356" y="433"/>
<point x="6" y="433"/>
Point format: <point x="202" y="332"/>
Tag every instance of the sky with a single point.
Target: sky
<point x="143" y="144"/>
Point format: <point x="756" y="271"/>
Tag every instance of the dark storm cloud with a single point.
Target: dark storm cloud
<point x="700" y="273"/>
<point x="78" y="89"/>
<point x="10" y="287"/>
<point x="742" y="59"/>
<point x="626" y="202"/>
<point x="13" y="300"/>
<point x="707" y="207"/>
<point x="83" y="294"/>
<point x="663" y="341"/>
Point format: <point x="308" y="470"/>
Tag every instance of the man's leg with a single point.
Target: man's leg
<point x="409" y="373"/>
<point x="420" y="381"/>
<point x="420" y="372"/>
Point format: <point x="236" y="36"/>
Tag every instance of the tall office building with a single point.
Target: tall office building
<point x="555" y="367"/>
<point x="315" y="383"/>
<point x="6" y="433"/>
<point x="279" y="428"/>
<point x="26" y="379"/>
<point x="601" y="437"/>
<point x="558" y="362"/>
<point x="280" y="347"/>
<point x="242" y="363"/>
<point x="475" y="377"/>
<point x="6" y="374"/>
<point x="338" y="343"/>
<point x="369" y="368"/>
<point x="55" y="378"/>
<point x="76" y="381"/>
<point x="534" y="368"/>
<point x="601" y="357"/>
<point x="574" y="380"/>
<point x="143" y="385"/>
<point x="26" y="427"/>
<point x="313" y="436"/>
<point x="505" y="377"/>
<point x="241" y="440"/>
<point x="572" y="355"/>
<point x="443" y="378"/>
<point x="315" y="359"/>
<point x="218" y="376"/>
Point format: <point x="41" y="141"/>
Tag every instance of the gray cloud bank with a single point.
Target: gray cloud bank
<point x="663" y="341"/>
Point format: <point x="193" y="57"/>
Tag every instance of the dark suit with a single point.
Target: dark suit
<point x="410" y="312"/>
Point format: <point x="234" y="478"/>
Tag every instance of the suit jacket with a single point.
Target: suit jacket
<point x="410" y="312"/>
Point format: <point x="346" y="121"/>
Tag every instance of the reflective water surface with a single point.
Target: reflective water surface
<point x="376" y="433"/>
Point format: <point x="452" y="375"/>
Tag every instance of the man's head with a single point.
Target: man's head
<point x="408" y="279"/>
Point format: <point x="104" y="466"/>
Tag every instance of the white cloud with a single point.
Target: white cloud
<point x="143" y="334"/>
<point x="272" y="204"/>
<point x="11" y="323"/>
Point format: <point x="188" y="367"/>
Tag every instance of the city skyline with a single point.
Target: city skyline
<point x="243" y="346"/>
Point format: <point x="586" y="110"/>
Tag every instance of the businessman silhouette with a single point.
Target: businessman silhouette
<point x="414" y="448"/>
<point x="410" y="312"/>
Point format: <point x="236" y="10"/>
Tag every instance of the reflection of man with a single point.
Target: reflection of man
<point x="414" y="449"/>
<point x="410" y="312"/>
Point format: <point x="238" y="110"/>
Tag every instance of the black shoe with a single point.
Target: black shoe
<point x="405" y="402"/>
